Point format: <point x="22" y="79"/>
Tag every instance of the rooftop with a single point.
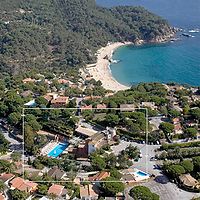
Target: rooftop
<point x="55" y="172"/>
<point x="60" y="100"/>
<point x="6" y="177"/>
<point x="88" y="191"/>
<point x="56" y="189"/>
<point x="23" y="185"/>
<point x="188" y="180"/>
<point x="85" y="131"/>
<point x="100" y="176"/>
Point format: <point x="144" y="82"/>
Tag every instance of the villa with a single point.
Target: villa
<point x="56" y="173"/>
<point x="96" y="141"/>
<point x="188" y="181"/>
<point x="132" y="175"/>
<point x="6" y="178"/>
<point x="99" y="176"/>
<point x="23" y="185"/>
<point x="88" y="192"/>
<point x="86" y="132"/>
<point x="60" y="102"/>
<point x="58" y="191"/>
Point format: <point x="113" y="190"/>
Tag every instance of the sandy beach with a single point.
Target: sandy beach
<point x="101" y="70"/>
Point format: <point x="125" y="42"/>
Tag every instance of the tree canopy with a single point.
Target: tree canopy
<point x="62" y="33"/>
<point x="143" y="193"/>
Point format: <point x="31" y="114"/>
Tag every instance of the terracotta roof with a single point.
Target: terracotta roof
<point x="86" y="107"/>
<point x="60" y="100"/>
<point x="6" y="177"/>
<point x="48" y="97"/>
<point x="88" y="191"/>
<point x="16" y="182"/>
<point x="56" y="189"/>
<point x="101" y="106"/>
<point x="188" y="180"/>
<point x="23" y="185"/>
<point x="99" y="176"/>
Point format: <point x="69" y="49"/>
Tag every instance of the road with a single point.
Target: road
<point x="14" y="144"/>
<point x="161" y="184"/>
<point x="147" y="152"/>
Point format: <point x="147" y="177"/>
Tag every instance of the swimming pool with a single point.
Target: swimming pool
<point x="140" y="173"/>
<point x="58" y="150"/>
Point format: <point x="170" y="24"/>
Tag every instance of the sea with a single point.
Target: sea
<point x="177" y="62"/>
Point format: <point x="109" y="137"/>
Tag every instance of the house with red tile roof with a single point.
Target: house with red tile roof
<point x="99" y="176"/>
<point x="101" y="106"/>
<point x="85" y="107"/>
<point x="6" y="177"/>
<point x="23" y="185"/>
<point x="59" y="191"/>
<point x="60" y="102"/>
<point x="88" y="192"/>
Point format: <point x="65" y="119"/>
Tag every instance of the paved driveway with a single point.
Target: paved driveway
<point x="14" y="144"/>
<point x="147" y="152"/>
<point x="169" y="191"/>
<point x="161" y="185"/>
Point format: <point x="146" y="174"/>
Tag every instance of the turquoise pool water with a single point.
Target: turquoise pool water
<point x="58" y="150"/>
<point x="139" y="173"/>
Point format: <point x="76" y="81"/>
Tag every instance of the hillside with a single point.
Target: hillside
<point x="58" y="34"/>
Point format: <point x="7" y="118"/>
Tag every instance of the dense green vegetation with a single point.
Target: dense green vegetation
<point x="4" y="144"/>
<point x="143" y="193"/>
<point x="191" y="166"/>
<point x="101" y="160"/>
<point x="62" y="33"/>
<point x="181" y="145"/>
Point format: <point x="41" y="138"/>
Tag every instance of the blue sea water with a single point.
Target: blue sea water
<point x="171" y="62"/>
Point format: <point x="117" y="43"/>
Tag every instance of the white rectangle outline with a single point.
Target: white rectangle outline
<point x="128" y="109"/>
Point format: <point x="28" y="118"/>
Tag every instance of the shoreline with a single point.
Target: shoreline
<point x="101" y="69"/>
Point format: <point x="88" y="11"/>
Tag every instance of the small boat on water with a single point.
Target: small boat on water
<point x="194" y="30"/>
<point x="186" y="35"/>
<point x="114" y="61"/>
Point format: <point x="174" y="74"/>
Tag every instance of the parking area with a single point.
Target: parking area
<point x="169" y="191"/>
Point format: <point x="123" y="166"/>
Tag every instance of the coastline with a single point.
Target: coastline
<point x="101" y="69"/>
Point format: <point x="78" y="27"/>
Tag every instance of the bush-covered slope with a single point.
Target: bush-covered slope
<point x="63" y="33"/>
